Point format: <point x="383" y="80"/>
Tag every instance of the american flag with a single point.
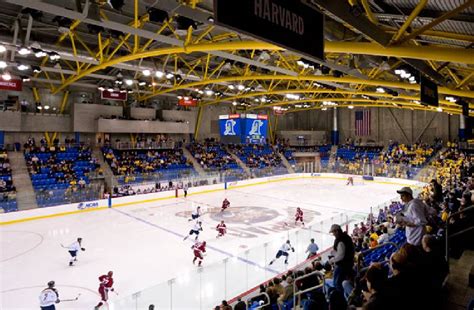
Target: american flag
<point x="362" y="123"/>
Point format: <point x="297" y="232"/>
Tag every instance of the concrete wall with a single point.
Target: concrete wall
<point x="86" y="115"/>
<point x="119" y="126"/>
<point x="143" y="113"/>
<point x="385" y="124"/>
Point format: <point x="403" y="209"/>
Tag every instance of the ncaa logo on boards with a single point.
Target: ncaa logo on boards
<point x="256" y="128"/>
<point x="229" y="127"/>
<point x="86" y="205"/>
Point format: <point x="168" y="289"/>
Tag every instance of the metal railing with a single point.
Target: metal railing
<point x="457" y="233"/>
<point x="260" y="306"/>
<point x="299" y="293"/>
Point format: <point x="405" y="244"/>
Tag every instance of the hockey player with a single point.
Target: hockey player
<point x="48" y="297"/>
<point x="199" y="248"/>
<point x="285" y="248"/>
<point x="225" y="204"/>
<point x="350" y="181"/>
<point x="299" y="216"/>
<point x="106" y="283"/>
<point x="221" y="229"/>
<point x="196" y="214"/>
<point x="195" y="230"/>
<point x="73" y="248"/>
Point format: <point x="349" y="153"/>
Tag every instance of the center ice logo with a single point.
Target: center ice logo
<point x="256" y="128"/>
<point x="229" y="127"/>
<point x="82" y="205"/>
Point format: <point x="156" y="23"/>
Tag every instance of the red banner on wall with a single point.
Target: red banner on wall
<point x="15" y="85"/>
<point x="113" y="95"/>
<point x="188" y="102"/>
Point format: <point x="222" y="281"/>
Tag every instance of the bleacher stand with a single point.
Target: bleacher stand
<point x="212" y="156"/>
<point x="257" y="156"/>
<point x="7" y="190"/>
<point x="60" y="174"/>
<point x="136" y="166"/>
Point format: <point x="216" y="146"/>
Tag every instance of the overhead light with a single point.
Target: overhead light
<point x="411" y="78"/>
<point x="54" y="56"/>
<point x="298" y="106"/>
<point x="179" y="97"/>
<point x="234" y="103"/>
<point x="210" y="19"/>
<point x="39" y="53"/>
<point x="451" y="99"/>
<point x="380" y="90"/>
<point x="6" y="76"/>
<point x="25" y="79"/>
<point x="130" y="91"/>
<point x="141" y="83"/>
<point x="209" y="92"/>
<point x="200" y="92"/>
<point x="159" y="74"/>
<point x="416" y="101"/>
<point x="101" y="88"/>
<point x="186" y="98"/>
<point x="2" y="48"/>
<point x="324" y="109"/>
<point x="240" y="87"/>
<point x="256" y="100"/>
<point x="110" y="90"/>
<point x="36" y="69"/>
<point x="351" y="107"/>
<point x="292" y="96"/>
<point x="46" y="107"/>
<point x="3" y="64"/>
<point x="39" y="107"/>
<point x="398" y="71"/>
<point x="123" y="91"/>
<point x="365" y="97"/>
<point x="439" y="109"/>
<point x="24" y="51"/>
<point x="263" y="99"/>
<point x="118" y="82"/>
<point x="22" y="67"/>
<point x="146" y="72"/>
<point x="231" y="86"/>
<point x="169" y="75"/>
<point x="129" y="82"/>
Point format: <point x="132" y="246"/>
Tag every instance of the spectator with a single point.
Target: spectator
<point x="384" y="237"/>
<point x="240" y="305"/>
<point x="343" y="251"/>
<point x="225" y="306"/>
<point x="415" y="218"/>
<point x="312" y="249"/>
<point x="436" y="267"/>
<point x="376" y="278"/>
<point x="288" y="291"/>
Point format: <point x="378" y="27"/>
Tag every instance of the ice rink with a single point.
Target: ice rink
<point x="143" y="243"/>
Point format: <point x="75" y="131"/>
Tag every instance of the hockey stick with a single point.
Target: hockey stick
<point x="72" y="299"/>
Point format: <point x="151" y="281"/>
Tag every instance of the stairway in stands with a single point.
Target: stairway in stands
<point x="284" y="161"/>
<point x="459" y="293"/>
<point x="25" y="194"/>
<point x="110" y="179"/>
<point x="193" y="160"/>
<point x="239" y="161"/>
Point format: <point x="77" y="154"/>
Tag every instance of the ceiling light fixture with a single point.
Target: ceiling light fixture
<point x="146" y="72"/>
<point x="3" y="64"/>
<point x="6" y="76"/>
<point x="22" y="67"/>
<point x="2" y="48"/>
<point x="129" y="82"/>
<point x="24" y="51"/>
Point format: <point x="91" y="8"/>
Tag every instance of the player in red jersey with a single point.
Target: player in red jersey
<point x="221" y="229"/>
<point x="199" y="248"/>
<point x="225" y="204"/>
<point x="299" y="216"/>
<point x="106" y="282"/>
<point x="350" y="181"/>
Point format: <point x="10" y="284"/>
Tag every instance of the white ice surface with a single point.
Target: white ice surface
<point x="142" y="244"/>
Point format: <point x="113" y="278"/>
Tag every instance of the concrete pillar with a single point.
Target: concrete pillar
<point x="335" y="131"/>
<point x="462" y="128"/>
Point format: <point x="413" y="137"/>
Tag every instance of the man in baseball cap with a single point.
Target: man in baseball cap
<point x="343" y="256"/>
<point x="415" y="216"/>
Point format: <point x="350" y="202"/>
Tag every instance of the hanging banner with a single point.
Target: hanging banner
<point x="290" y="24"/>
<point x="116" y="95"/>
<point x="188" y="102"/>
<point x="428" y="92"/>
<point x="14" y="85"/>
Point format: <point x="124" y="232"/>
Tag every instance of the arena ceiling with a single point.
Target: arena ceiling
<point x="156" y="48"/>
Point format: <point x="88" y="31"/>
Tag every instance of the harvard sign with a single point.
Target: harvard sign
<point x="290" y="24"/>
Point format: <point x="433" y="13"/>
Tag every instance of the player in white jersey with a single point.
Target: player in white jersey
<point x="195" y="230"/>
<point x="196" y="214"/>
<point x="73" y="248"/>
<point x="284" y="249"/>
<point x="48" y="297"/>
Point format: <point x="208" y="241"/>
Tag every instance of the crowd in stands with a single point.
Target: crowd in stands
<point x="393" y="260"/>
<point x="7" y="190"/>
<point x="60" y="173"/>
<point x="211" y="155"/>
<point x="134" y="164"/>
<point x="256" y="155"/>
